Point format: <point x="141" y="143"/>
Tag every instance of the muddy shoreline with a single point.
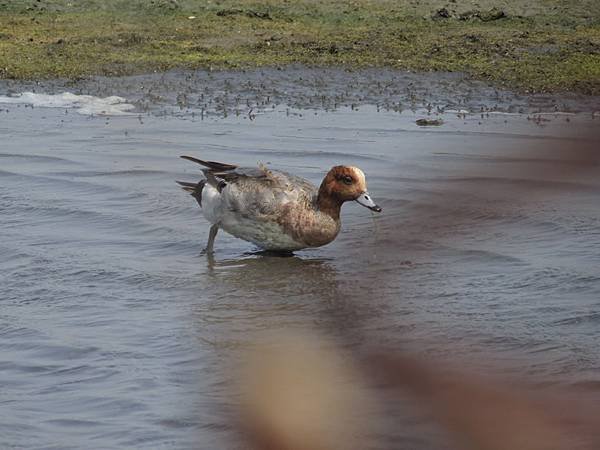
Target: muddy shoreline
<point x="201" y="93"/>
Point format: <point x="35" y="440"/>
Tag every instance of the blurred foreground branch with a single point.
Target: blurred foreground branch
<point x="304" y="395"/>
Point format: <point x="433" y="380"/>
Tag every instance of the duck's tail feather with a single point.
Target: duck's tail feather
<point x="186" y="186"/>
<point x="212" y="165"/>
<point x="195" y="189"/>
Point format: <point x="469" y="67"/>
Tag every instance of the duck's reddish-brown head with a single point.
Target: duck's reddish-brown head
<point x="346" y="183"/>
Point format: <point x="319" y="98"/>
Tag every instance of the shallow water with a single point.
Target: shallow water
<point x="116" y="332"/>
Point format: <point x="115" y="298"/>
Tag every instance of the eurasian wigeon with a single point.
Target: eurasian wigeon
<point x="273" y="209"/>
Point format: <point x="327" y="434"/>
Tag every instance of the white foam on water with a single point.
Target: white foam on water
<point x="83" y="104"/>
<point x="457" y="111"/>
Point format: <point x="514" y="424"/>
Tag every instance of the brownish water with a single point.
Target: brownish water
<point x="114" y="329"/>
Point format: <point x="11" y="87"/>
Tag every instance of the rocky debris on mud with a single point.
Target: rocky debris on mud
<point x="429" y="122"/>
<point x="484" y="16"/>
<point x="441" y="13"/>
<point x="245" y="12"/>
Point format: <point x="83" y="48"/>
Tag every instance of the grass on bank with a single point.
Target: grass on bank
<point x="541" y="45"/>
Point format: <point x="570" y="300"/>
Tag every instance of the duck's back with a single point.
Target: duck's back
<point x="262" y="192"/>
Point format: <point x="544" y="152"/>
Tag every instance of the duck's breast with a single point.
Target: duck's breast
<point x="309" y="226"/>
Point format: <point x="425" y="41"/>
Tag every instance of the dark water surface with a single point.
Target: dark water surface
<point x="115" y="332"/>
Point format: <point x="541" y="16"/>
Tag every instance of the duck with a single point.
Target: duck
<point x="275" y="210"/>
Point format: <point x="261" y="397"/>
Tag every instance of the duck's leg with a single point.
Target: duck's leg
<point x="212" y="234"/>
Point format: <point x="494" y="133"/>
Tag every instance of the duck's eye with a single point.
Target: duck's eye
<point x="347" y="179"/>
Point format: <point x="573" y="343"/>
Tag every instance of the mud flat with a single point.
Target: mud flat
<point x="202" y="93"/>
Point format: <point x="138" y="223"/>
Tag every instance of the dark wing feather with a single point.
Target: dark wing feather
<point x="242" y="172"/>
<point x="216" y="173"/>
<point x="211" y="165"/>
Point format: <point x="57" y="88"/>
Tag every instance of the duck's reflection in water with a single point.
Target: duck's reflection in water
<point x="266" y="292"/>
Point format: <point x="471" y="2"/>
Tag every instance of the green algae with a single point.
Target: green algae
<point x="544" y="45"/>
